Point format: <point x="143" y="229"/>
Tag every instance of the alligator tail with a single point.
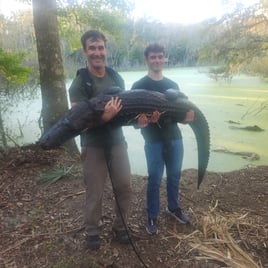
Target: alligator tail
<point x="201" y="130"/>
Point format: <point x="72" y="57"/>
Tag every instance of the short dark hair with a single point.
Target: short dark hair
<point x="155" y="47"/>
<point x="94" y="35"/>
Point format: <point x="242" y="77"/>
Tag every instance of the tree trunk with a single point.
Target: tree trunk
<point x="53" y="91"/>
<point x="3" y="140"/>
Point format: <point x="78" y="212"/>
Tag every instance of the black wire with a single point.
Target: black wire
<point x="108" y="162"/>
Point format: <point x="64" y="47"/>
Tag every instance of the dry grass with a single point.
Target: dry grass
<point x="226" y="239"/>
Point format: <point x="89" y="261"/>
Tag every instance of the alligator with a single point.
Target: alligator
<point x="172" y="104"/>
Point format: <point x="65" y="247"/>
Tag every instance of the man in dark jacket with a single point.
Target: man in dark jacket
<point x="103" y="150"/>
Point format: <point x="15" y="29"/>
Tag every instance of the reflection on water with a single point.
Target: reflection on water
<point x="239" y="101"/>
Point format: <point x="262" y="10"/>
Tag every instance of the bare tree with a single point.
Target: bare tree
<point x="53" y="91"/>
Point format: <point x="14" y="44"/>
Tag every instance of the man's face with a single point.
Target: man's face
<point x="96" y="53"/>
<point x="155" y="61"/>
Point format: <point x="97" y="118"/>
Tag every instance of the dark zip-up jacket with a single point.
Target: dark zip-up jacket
<point x="83" y="88"/>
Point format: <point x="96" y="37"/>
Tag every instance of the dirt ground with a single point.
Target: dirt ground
<point x="42" y="225"/>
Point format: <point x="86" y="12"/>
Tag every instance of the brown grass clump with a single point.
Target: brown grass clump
<point x="226" y="239"/>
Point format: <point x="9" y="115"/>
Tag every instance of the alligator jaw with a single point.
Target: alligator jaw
<point x="57" y="135"/>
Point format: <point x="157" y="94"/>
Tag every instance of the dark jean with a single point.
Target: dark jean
<point x="159" y="155"/>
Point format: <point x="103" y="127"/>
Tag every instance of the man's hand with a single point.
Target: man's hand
<point x="111" y="109"/>
<point x="155" y="117"/>
<point x="144" y="120"/>
<point x="189" y="117"/>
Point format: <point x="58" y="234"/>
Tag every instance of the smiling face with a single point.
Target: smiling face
<point x="95" y="51"/>
<point x="155" y="61"/>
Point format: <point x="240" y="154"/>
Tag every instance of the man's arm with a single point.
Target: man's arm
<point x="111" y="109"/>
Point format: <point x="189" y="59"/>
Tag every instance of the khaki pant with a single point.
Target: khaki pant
<point x="95" y="171"/>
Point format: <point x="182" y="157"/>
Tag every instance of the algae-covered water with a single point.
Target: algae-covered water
<point x="243" y="101"/>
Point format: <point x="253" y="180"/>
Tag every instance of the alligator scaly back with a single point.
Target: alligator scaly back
<point x="86" y="115"/>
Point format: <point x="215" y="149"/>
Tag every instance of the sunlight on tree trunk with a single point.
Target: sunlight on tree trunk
<point x="53" y="91"/>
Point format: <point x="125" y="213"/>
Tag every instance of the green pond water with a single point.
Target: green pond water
<point x="239" y="101"/>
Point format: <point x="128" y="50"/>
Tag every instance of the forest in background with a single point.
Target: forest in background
<point x="236" y="41"/>
<point x="31" y="41"/>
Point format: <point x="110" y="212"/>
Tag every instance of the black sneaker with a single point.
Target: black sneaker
<point x="151" y="227"/>
<point x="122" y="236"/>
<point x="178" y="215"/>
<point x="93" y="242"/>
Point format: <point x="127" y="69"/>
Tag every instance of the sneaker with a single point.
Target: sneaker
<point x="178" y="215"/>
<point x="151" y="227"/>
<point x="93" y="242"/>
<point x="122" y="236"/>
